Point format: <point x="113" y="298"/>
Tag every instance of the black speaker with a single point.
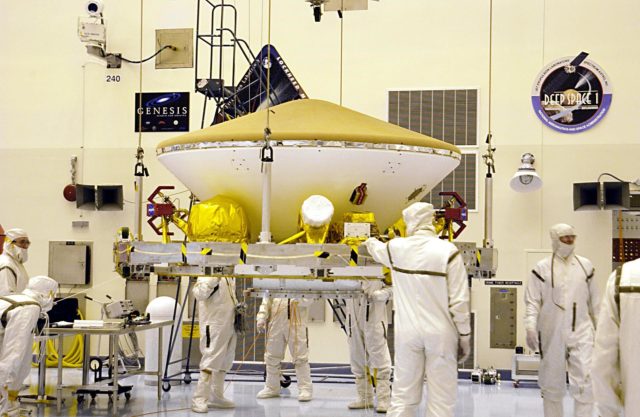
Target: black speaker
<point x="635" y="201"/>
<point x="586" y="196"/>
<point x="64" y="310"/>
<point x="109" y="197"/>
<point x="86" y="197"/>
<point x="605" y="195"/>
<point x="617" y="196"/>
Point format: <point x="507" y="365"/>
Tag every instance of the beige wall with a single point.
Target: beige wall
<point x="56" y="103"/>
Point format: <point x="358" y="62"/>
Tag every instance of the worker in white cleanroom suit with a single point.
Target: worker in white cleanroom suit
<point x="18" y="317"/>
<point x="285" y="323"/>
<point x="562" y="303"/>
<point x="432" y="327"/>
<point x="13" y="275"/>
<point x="216" y="314"/>
<point x="368" y="348"/>
<point x="615" y="362"/>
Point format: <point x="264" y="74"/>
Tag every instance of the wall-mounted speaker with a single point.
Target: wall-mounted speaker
<point x="109" y="197"/>
<point x="86" y="196"/>
<point x="605" y="195"/>
<point x="586" y="196"/>
<point x="617" y="196"/>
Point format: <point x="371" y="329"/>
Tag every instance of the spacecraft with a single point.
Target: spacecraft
<point x="358" y="162"/>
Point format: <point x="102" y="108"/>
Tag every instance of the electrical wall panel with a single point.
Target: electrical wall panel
<point x="625" y="242"/>
<point x="181" y="53"/>
<point x="70" y="262"/>
<point x="503" y="318"/>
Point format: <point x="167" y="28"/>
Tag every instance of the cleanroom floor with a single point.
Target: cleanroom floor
<point x="330" y="400"/>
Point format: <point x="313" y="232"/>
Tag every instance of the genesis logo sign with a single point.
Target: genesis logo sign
<point x="162" y="112"/>
<point x="571" y="94"/>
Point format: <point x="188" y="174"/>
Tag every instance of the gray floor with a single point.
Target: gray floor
<point x="330" y="399"/>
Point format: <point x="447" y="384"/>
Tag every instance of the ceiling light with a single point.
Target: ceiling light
<point x="526" y="179"/>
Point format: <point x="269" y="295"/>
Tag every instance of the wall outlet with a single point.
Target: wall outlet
<point x="181" y="55"/>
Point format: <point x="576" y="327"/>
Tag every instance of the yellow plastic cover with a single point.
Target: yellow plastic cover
<point x="310" y="120"/>
<point x="219" y="219"/>
<point x="315" y="235"/>
<point x="359" y="217"/>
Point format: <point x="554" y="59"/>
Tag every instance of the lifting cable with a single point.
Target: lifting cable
<point x="341" y="52"/>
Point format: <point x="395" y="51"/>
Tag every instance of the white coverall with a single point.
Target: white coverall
<point x="616" y="363"/>
<point x="216" y="314"/>
<point x="562" y="302"/>
<point x="368" y="349"/>
<point x="285" y="321"/>
<point x="18" y="317"/>
<point x="431" y="299"/>
<point x="13" y="275"/>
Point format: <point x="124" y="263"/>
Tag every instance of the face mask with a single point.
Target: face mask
<point x="47" y="304"/>
<point x="563" y="250"/>
<point x="22" y="255"/>
<point x="14" y="251"/>
<point x="45" y="300"/>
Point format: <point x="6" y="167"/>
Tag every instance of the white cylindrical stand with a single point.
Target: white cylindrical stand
<point x="161" y="308"/>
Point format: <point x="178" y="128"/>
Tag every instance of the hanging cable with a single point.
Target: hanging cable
<point x="141" y="61"/>
<point x="490" y="59"/>
<point x="487" y="241"/>
<point x="341" y="51"/>
<point x="609" y="175"/>
<point x="266" y="153"/>
<point x="140" y="171"/>
<point x="541" y="162"/>
<point x="140" y="73"/>
<point x="268" y="67"/>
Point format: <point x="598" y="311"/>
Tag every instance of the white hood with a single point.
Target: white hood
<point x="419" y="216"/>
<point x="559" y="248"/>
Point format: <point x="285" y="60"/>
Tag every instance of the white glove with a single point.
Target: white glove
<point x="370" y="242"/>
<point x="532" y="340"/>
<point x="204" y="287"/>
<point x="379" y="295"/>
<point x="261" y="325"/>
<point x="464" y="348"/>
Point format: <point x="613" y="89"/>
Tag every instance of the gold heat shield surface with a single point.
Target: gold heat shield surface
<point x="310" y="119"/>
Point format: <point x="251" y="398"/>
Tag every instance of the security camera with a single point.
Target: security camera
<point x="94" y="8"/>
<point x="92" y="29"/>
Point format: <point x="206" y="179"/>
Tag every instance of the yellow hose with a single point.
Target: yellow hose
<point x="73" y="359"/>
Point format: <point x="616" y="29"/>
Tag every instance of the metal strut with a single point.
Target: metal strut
<point x="266" y="156"/>
<point x="488" y="197"/>
<point x="139" y="172"/>
<point x="339" y="314"/>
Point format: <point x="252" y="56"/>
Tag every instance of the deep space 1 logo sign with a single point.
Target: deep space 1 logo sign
<point x="162" y="112"/>
<point x="571" y="94"/>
